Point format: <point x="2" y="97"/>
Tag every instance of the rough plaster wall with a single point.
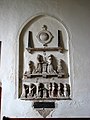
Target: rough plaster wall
<point x="76" y="15"/>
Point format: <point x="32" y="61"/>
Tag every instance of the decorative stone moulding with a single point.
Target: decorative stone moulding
<point x="44" y="76"/>
<point x="30" y="50"/>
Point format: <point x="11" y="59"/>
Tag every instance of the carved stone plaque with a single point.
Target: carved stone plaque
<point x="46" y="72"/>
<point x="44" y="104"/>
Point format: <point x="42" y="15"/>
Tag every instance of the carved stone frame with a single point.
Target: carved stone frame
<point x="17" y="55"/>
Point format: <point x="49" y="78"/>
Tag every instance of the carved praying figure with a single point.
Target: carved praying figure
<point x="60" y="70"/>
<point x="39" y="64"/>
<point x="30" y="67"/>
<point x="50" y="68"/>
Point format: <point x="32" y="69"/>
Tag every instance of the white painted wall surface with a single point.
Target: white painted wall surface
<point x="76" y="15"/>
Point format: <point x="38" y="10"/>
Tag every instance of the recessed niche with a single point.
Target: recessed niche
<point x="44" y="61"/>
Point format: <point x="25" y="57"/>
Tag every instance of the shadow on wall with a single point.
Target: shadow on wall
<point x="0" y="98"/>
<point x="0" y="83"/>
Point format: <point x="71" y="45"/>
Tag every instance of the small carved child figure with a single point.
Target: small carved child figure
<point x="55" y="90"/>
<point x="60" y="70"/>
<point x="39" y="64"/>
<point x="33" y="90"/>
<point x="66" y="90"/>
<point x="50" y="89"/>
<point x="46" y="91"/>
<point x="61" y="90"/>
<point x="40" y="90"/>
<point x="50" y="68"/>
<point x="26" y="87"/>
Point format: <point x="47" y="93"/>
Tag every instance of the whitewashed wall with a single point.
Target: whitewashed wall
<point x="76" y="15"/>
